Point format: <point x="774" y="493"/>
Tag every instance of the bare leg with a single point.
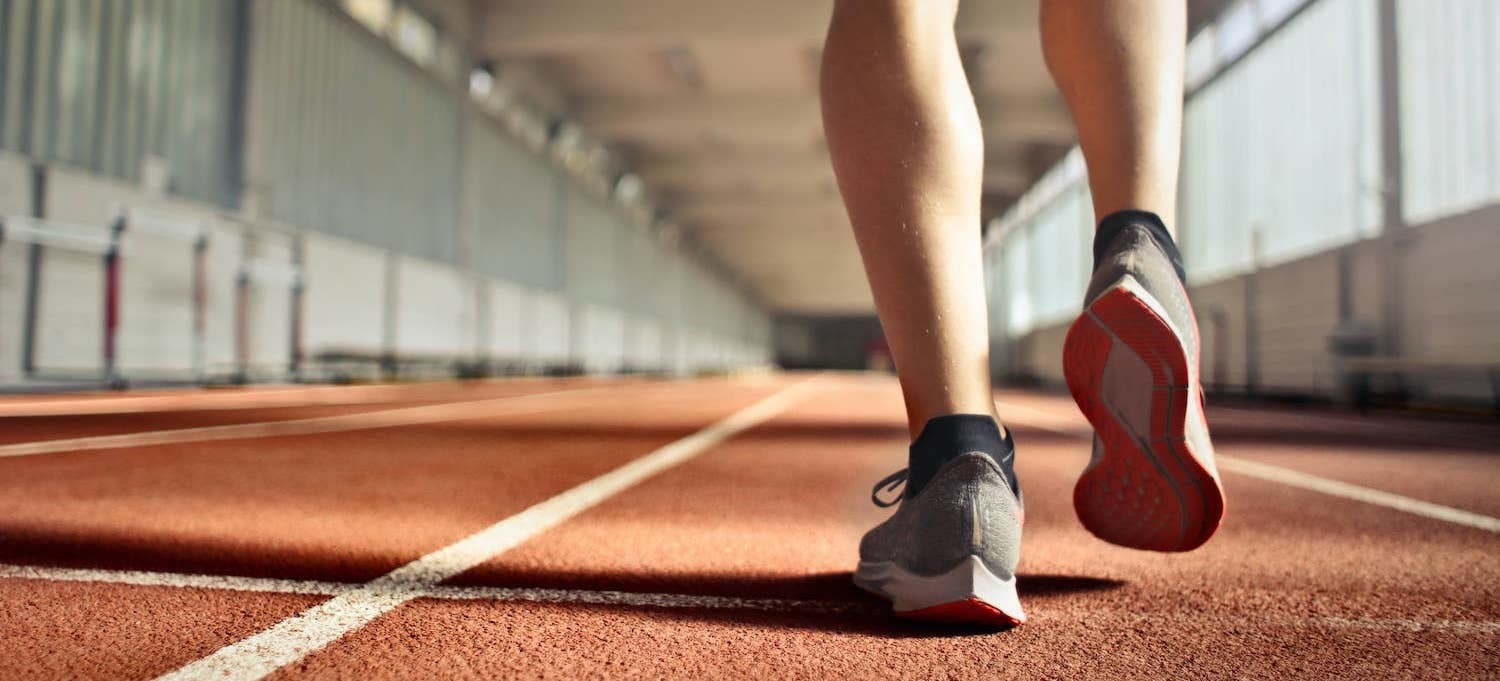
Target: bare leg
<point x="906" y="147"/>
<point x="1119" y="65"/>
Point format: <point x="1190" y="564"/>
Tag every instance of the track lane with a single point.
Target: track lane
<point x="110" y="415"/>
<point x="1299" y="584"/>
<point x="341" y="506"/>
<point x="71" y="630"/>
<point x="1452" y="462"/>
<point x="289" y="641"/>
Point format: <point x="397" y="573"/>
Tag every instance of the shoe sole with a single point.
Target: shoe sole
<point x="1149" y="488"/>
<point x="967" y="594"/>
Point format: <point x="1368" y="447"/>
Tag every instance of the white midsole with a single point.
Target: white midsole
<point x="970" y="579"/>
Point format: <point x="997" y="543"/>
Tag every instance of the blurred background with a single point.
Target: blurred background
<point x="268" y="190"/>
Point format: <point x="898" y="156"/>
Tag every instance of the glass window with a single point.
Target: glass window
<point x="414" y="35"/>
<point x="374" y="14"/>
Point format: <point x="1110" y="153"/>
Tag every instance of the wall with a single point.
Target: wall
<point x="15" y="199"/>
<point x="114" y="83"/>
<point x="350" y="199"/>
<point x="1284" y="236"/>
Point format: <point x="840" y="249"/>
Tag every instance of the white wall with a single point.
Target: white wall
<point x="1450" y="105"/>
<point x="602" y="332"/>
<point x="269" y="270"/>
<point x="435" y="309"/>
<point x="15" y="199"/>
<point x="346" y="294"/>
<point x="507" y="318"/>
<point x="643" y="343"/>
<point x="548" y="332"/>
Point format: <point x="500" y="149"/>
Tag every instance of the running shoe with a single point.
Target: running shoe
<point x="1131" y="362"/>
<point x="949" y="552"/>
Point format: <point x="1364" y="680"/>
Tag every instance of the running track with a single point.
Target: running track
<point x="626" y="527"/>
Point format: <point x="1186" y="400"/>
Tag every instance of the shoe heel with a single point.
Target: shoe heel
<point x="1148" y="489"/>
<point x="967" y="593"/>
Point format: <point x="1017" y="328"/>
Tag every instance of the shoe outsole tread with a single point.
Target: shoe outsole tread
<point x="1158" y="494"/>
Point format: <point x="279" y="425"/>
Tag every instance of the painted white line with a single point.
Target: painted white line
<point x="663" y="600"/>
<point x="201" y="400"/>
<point x="176" y="580"/>
<point x="647" y="600"/>
<point x="229" y="399"/>
<point x="385" y="418"/>
<point x="1449" y="626"/>
<point x="293" y="638"/>
<point x="455" y="593"/>
<point x="1044" y="420"/>
<point x="1300" y="480"/>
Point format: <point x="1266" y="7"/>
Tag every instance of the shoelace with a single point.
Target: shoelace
<point x="897" y="480"/>
<point x="890" y="483"/>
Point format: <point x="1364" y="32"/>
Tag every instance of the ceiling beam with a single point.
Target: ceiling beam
<point x="531" y="27"/>
<point x="795" y="117"/>
<point x="813" y="212"/>
<point x="730" y="165"/>
<point x="682" y="114"/>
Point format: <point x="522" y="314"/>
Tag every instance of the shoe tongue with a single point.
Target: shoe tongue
<point x="946" y="438"/>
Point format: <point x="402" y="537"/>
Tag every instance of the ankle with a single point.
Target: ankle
<point x="1116" y="223"/>
<point x="946" y="437"/>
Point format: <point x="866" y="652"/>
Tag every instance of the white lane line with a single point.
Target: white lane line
<point x="205" y="400"/>
<point x="209" y="399"/>
<point x="385" y="418"/>
<point x="176" y="580"/>
<point x="1263" y="471"/>
<point x="648" y="600"/>
<point x="456" y="593"/>
<point x="660" y="600"/>
<point x="1451" y="626"/>
<point x="293" y="638"/>
<point x="1300" y="480"/>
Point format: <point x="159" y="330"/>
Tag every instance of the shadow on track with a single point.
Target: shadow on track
<point x="823" y="602"/>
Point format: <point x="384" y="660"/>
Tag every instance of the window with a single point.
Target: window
<point x="374" y="14"/>
<point x="414" y="36"/>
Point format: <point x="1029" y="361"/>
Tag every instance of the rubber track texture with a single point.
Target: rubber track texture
<point x="1146" y="490"/>
<point x="973" y="611"/>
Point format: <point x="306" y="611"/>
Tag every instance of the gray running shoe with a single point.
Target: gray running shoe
<point x="949" y="552"/>
<point x="1131" y="362"/>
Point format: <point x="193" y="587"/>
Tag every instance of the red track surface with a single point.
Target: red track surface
<point x="733" y="563"/>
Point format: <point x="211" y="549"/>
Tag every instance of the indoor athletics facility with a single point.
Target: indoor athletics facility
<point x="530" y="338"/>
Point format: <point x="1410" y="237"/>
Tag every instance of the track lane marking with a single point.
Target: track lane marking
<point x="226" y="400"/>
<point x="293" y="638"/>
<point x="175" y="580"/>
<point x="1331" y="487"/>
<point x="1048" y="421"/>
<point x="384" y="418"/>
<point x="456" y="593"/>
<point x="650" y="600"/>
<point x="204" y="401"/>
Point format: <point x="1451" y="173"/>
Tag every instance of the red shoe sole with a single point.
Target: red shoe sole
<point x="1148" y="490"/>
<point x="971" y="611"/>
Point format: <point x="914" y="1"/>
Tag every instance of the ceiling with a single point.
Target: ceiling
<point x="713" y="103"/>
